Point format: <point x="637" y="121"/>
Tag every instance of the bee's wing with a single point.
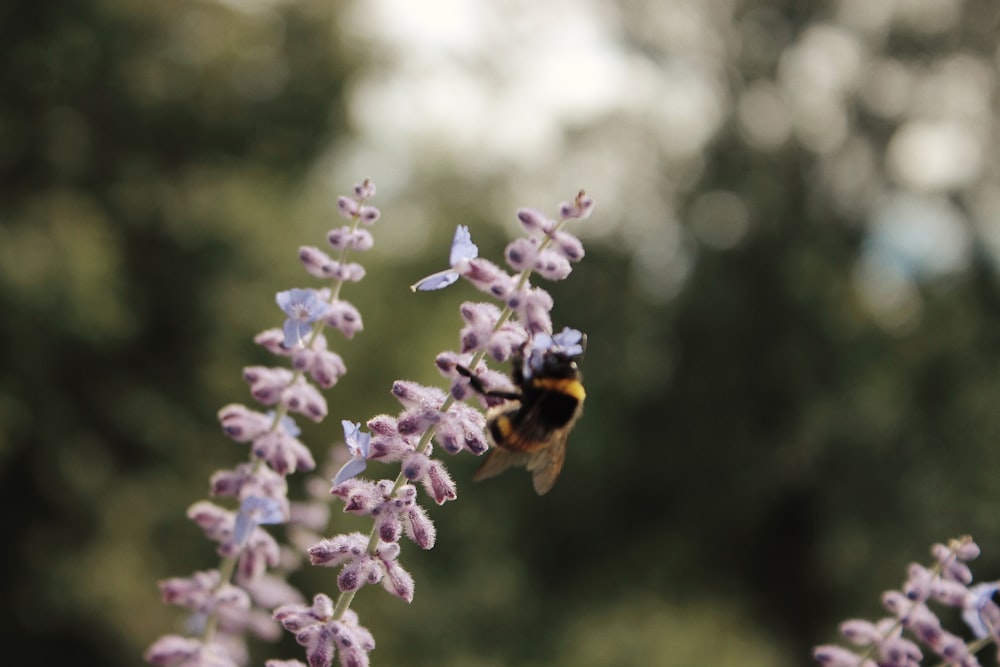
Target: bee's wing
<point x="498" y="460"/>
<point x="546" y="464"/>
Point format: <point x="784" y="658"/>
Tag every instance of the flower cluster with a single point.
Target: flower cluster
<point x="896" y="640"/>
<point x="429" y="417"/>
<point x="234" y="600"/>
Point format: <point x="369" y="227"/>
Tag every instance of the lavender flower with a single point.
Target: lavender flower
<point x="228" y="603"/>
<point x="429" y="416"/>
<point x="947" y="583"/>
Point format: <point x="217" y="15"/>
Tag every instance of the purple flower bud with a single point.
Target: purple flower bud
<point x="387" y="552"/>
<point x="216" y="522"/>
<point x="388" y="526"/>
<point x="202" y="593"/>
<point x="350" y="577"/>
<point x="359" y="496"/>
<point x="261" y="552"/>
<point x="398" y="581"/>
<point x="296" y="617"/>
<point x="387" y="443"/>
<point x="835" y="656"/>
<point x="534" y="221"/>
<point x="369" y="214"/>
<point x="414" y="395"/>
<point x="176" y="651"/>
<point x="345" y="317"/>
<point x="462" y="428"/>
<point x="267" y="384"/>
<point x="521" y="254"/>
<point x="338" y="550"/>
<point x="488" y="277"/>
<point x="953" y="649"/>
<point x="365" y="189"/>
<point x="480" y="315"/>
<point x="323" y="366"/>
<point x="551" y="265"/>
<point x="305" y="399"/>
<point x="568" y="246"/>
<point x="348" y="207"/>
<point x="344" y="238"/>
<point x="347" y="272"/>
<point x="899" y="651"/>
<point x="272" y="340"/>
<point x="958" y="571"/>
<point x="415" y="466"/>
<point x="917" y="586"/>
<point x="580" y="208"/>
<point x="948" y="592"/>
<point x="418" y="527"/>
<point x="242" y="424"/>
<point x="190" y="592"/>
<point x="315" y="261"/>
<point x="439" y="484"/>
<point x="966" y="549"/>
<point x="860" y="632"/>
<point x="283" y="452"/>
<point x="896" y="602"/>
<point x="923" y="623"/>
<point x="415" y="421"/>
<point x="532" y="307"/>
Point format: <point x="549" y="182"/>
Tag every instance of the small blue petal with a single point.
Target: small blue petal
<point x="569" y="340"/>
<point x="255" y="511"/>
<point x="351" y="469"/>
<point x="244" y="526"/>
<point x="462" y="246"/>
<point x="291" y="428"/>
<point x="436" y="281"/>
<point x="264" y="511"/>
<point x="295" y="331"/>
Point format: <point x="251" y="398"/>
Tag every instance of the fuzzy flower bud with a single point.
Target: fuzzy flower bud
<point x="580" y="208"/>
<point x="242" y="424"/>
<point x="344" y="317"/>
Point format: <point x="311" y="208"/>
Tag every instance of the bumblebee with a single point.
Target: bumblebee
<point x="532" y="428"/>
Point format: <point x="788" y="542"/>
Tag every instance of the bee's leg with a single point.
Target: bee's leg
<point x="477" y="385"/>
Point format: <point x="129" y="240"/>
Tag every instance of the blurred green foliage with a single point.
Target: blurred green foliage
<point x="759" y="457"/>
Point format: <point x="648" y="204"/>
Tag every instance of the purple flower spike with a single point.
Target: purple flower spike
<point x="462" y="250"/>
<point x="359" y="445"/>
<point x="303" y="307"/>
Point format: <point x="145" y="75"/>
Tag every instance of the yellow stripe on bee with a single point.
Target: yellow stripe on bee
<point x="567" y="386"/>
